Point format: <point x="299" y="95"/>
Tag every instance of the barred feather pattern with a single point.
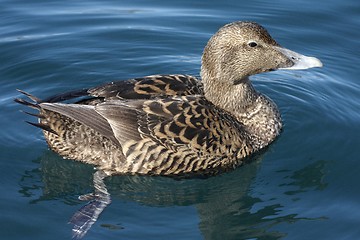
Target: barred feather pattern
<point x="76" y="141"/>
<point x="150" y="87"/>
<point x="177" y="136"/>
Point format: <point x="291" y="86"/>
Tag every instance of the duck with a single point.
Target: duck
<point x="175" y="125"/>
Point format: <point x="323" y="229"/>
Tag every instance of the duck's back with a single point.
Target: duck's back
<point x="74" y="140"/>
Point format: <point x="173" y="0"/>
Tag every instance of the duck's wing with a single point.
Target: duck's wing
<point x="138" y="88"/>
<point x="176" y="135"/>
<point x="84" y="114"/>
<point x="149" y="87"/>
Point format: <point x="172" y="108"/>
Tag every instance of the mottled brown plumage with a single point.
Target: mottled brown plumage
<point x="175" y="124"/>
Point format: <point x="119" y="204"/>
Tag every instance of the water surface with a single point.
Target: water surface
<point x="304" y="187"/>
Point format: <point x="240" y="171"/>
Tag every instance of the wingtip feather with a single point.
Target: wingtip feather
<point x="32" y="97"/>
<point x="27" y="103"/>
<point x="43" y="127"/>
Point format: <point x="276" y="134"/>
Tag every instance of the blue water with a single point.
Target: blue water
<point x="306" y="186"/>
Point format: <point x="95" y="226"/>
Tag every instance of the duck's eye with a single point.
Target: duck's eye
<point x="252" y="44"/>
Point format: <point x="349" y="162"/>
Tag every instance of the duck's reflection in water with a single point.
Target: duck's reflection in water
<point x="223" y="202"/>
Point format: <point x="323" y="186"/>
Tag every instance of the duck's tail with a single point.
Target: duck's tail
<point x="34" y="102"/>
<point x="74" y="130"/>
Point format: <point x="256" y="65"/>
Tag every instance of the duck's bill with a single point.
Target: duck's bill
<point x="300" y="61"/>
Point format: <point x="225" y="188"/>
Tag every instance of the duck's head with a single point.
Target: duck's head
<point x="241" y="49"/>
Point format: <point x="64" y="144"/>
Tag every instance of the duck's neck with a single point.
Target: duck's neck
<point x="256" y="112"/>
<point x="234" y="98"/>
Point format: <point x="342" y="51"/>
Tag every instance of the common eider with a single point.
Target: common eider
<point x="175" y="124"/>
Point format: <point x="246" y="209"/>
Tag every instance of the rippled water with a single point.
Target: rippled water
<point x="304" y="187"/>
